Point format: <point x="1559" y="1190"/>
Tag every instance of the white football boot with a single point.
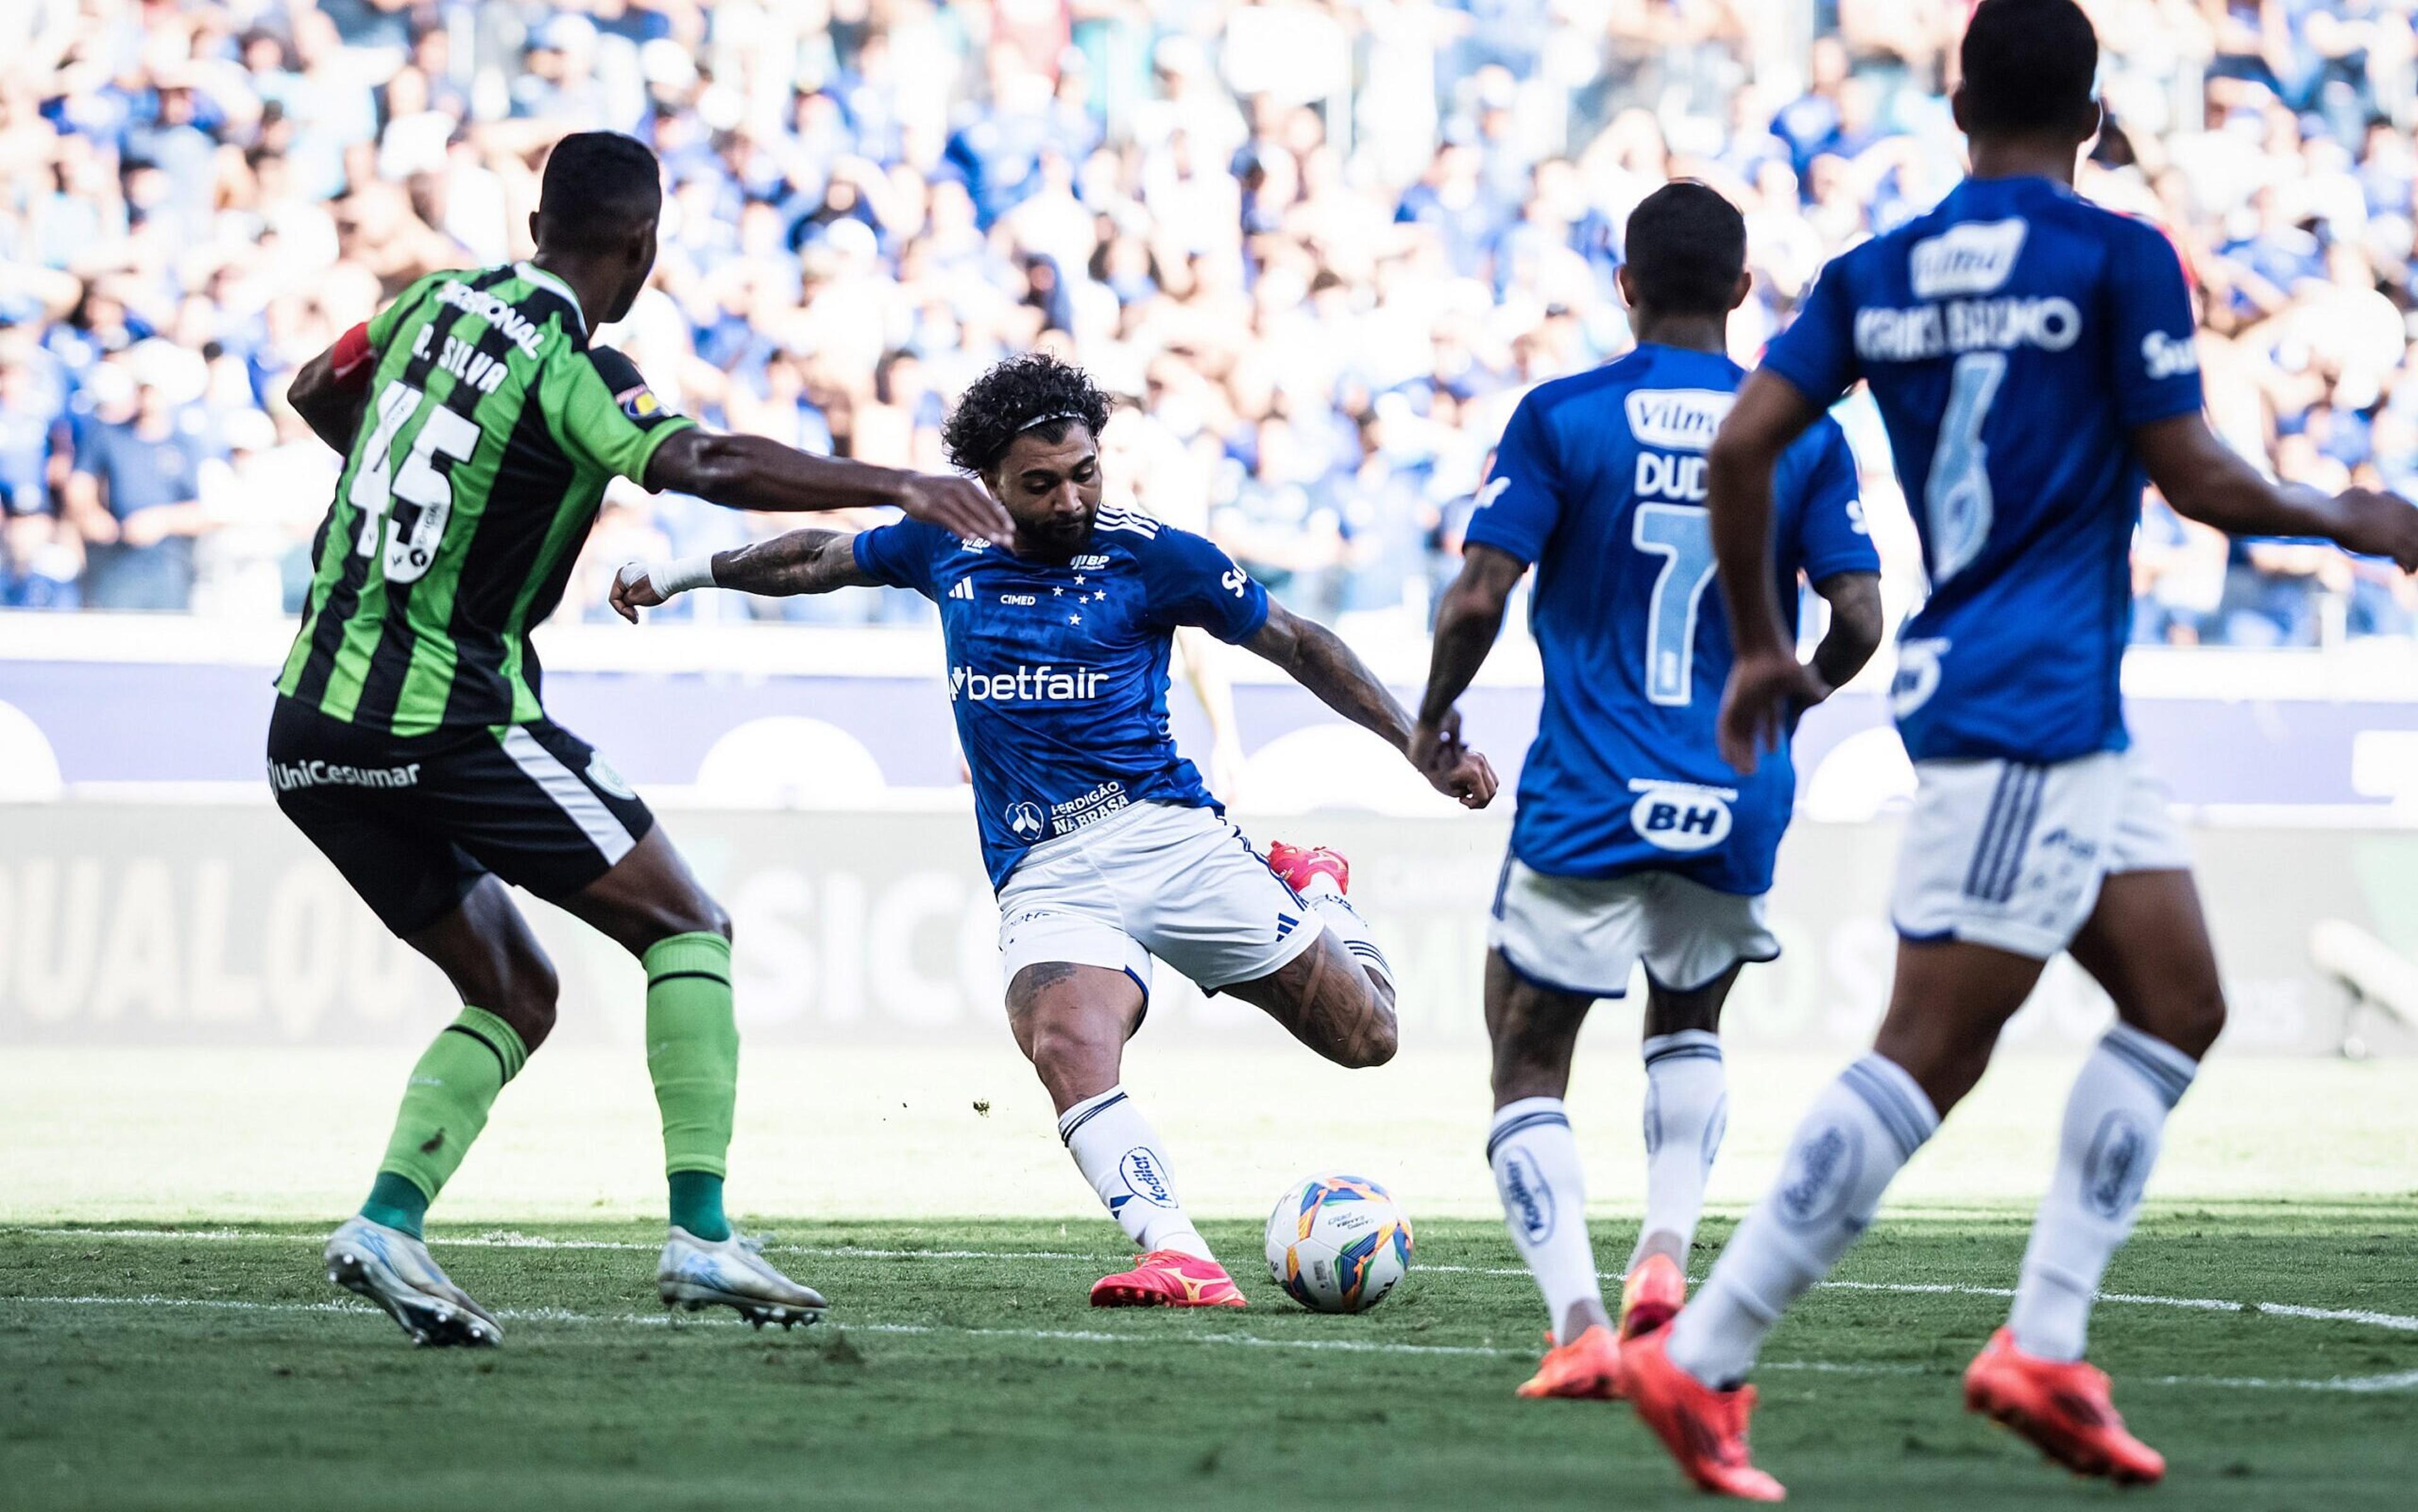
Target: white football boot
<point x="696" y="1274"/>
<point x="394" y="1270"/>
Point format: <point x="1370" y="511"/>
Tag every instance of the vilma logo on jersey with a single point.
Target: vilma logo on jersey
<point x="1680" y="816"/>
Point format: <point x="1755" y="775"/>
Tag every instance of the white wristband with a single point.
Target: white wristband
<point x="668" y="578"/>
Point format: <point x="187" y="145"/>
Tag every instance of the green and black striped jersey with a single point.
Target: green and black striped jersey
<point x="491" y="431"/>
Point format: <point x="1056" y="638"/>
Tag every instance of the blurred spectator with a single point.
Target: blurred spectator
<point x="1320" y="248"/>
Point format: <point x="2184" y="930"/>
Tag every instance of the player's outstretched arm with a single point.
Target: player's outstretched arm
<point x="754" y="472"/>
<point x="802" y="561"/>
<point x="1855" y="632"/>
<point x="1316" y="657"/>
<point x="2205" y="478"/>
<point x="1767" y="681"/>
<point x="1468" y="620"/>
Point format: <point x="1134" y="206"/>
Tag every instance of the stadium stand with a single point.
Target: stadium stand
<point x="1322" y="248"/>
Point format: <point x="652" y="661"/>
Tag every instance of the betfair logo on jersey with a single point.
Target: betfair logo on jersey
<point x="1973" y="258"/>
<point x="1026" y="685"/>
<point x="1682" y="419"/>
<point x="1680" y="816"/>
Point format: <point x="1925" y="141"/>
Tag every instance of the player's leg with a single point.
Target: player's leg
<point x="1533" y="1030"/>
<point x="1329" y="1000"/>
<point x="1072" y="1021"/>
<point x="1321" y="879"/>
<point x="2147" y="943"/>
<point x="1986" y="844"/>
<point x="537" y="806"/>
<point x="1685" y="1114"/>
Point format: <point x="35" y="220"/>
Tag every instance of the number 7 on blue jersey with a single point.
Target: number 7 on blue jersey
<point x="1682" y="536"/>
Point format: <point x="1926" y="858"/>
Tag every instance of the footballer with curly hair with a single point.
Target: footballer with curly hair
<point x="1103" y="844"/>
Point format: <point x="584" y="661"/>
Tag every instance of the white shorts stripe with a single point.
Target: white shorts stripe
<point x="605" y="833"/>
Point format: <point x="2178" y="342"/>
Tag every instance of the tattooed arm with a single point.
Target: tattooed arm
<point x="802" y="561"/>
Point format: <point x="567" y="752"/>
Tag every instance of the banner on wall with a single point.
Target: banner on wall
<point x="133" y="923"/>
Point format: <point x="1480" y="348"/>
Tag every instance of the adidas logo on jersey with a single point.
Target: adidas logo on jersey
<point x="964" y="589"/>
<point x="1026" y="685"/>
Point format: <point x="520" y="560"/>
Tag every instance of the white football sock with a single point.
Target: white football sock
<point x="1858" y="1133"/>
<point x="1687" y="1109"/>
<point x="1119" y="1153"/>
<point x="2114" y="1121"/>
<point x="1350" y="930"/>
<point x="1536" y="1173"/>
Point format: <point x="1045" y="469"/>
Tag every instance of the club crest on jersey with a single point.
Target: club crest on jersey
<point x="1680" y="816"/>
<point x="1972" y="258"/>
<point x="1025" y="820"/>
<point x="1678" y="420"/>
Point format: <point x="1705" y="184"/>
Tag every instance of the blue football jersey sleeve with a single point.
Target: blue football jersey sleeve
<point x="2153" y="359"/>
<point x="1521" y="501"/>
<point x="1816" y="354"/>
<point x="1831" y="535"/>
<point x="1190" y="581"/>
<point x="901" y="555"/>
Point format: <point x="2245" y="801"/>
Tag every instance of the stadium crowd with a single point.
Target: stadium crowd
<point x="1322" y="247"/>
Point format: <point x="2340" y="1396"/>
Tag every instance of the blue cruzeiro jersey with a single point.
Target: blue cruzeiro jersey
<point x="2013" y="339"/>
<point x="1058" y="670"/>
<point x="1601" y="483"/>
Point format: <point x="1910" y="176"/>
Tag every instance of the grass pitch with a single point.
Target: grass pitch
<point x="962" y="1368"/>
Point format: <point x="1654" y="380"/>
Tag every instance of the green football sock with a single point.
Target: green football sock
<point x="693" y="1054"/>
<point x="443" y="1110"/>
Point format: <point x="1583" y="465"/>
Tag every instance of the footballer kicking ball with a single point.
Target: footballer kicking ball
<point x="1338" y="1244"/>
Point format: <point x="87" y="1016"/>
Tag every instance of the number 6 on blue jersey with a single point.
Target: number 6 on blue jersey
<point x="1682" y="536"/>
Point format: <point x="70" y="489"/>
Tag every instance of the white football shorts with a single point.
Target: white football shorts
<point x="2011" y="854"/>
<point x="1152" y="879"/>
<point x="1586" y="935"/>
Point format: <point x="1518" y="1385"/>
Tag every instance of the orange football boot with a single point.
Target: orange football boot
<point x="1588" y="1368"/>
<point x="1652" y="1295"/>
<point x="1704" y="1429"/>
<point x="1169" y="1278"/>
<point x="1296" y="864"/>
<point x="2063" y="1408"/>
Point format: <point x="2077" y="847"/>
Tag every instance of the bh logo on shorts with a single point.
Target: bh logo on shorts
<point x="1821" y="1171"/>
<point x="1526" y="1193"/>
<point x="1678" y="815"/>
<point x="1025" y="820"/>
<point x="1141" y="1171"/>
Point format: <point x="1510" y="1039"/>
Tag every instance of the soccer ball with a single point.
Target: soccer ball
<point x="1338" y="1244"/>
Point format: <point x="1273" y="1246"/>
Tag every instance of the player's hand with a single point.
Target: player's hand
<point x="2375" y="524"/>
<point x="633" y="589"/>
<point x="960" y="506"/>
<point x="1434" y="747"/>
<point x="1469" y="780"/>
<point x="1767" y="691"/>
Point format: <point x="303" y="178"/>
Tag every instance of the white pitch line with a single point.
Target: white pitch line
<point x="508" y="1239"/>
<point x="2400" y="1381"/>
